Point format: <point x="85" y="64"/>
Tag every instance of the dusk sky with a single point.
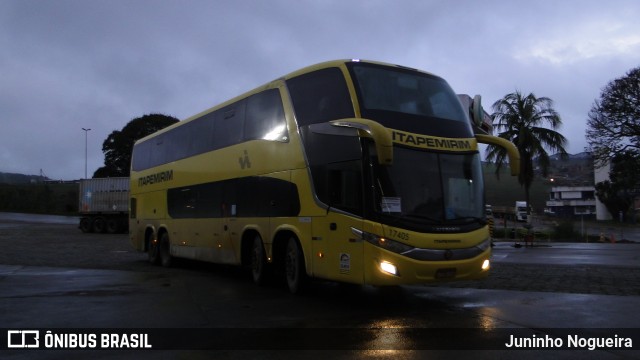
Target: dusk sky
<point x="72" y="64"/>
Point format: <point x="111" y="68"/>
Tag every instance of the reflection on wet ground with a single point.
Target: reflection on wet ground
<point x="37" y="218"/>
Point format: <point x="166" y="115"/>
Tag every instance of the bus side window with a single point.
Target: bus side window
<point x="228" y="125"/>
<point x="196" y="138"/>
<point x="336" y="168"/>
<point x="320" y="96"/>
<point x="345" y="186"/>
<point x="140" y="158"/>
<point x="159" y="147"/>
<point x="265" y="117"/>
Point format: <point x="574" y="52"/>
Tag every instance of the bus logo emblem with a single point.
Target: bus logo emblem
<point x="244" y="161"/>
<point x="345" y="263"/>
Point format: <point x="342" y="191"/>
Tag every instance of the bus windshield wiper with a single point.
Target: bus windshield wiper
<point x="466" y="220"/>
<point x="429" y="219"/>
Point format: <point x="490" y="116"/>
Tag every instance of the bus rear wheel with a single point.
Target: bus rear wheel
<point x="153" y="251"/>
<point x="294" y="267"/>
<point x="165" y="251"/>
<point x="259" y="265"/>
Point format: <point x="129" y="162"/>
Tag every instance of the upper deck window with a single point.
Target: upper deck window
<point x="320" y="96"/>
<point x="409" y="100"/>
<point x="258" y="117"/>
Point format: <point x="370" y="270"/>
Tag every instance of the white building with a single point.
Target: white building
<point x="572" y="201"/>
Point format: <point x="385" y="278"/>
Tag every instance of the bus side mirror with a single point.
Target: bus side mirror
<point x="477" y="112"/>
<point x="480" y="121"/>
<point x="380" y="134"/>
<point x="512" y="151"/>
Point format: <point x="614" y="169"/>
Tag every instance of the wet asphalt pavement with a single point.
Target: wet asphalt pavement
<point x="579" y="268"/>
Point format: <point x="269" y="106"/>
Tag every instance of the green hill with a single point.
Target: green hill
<point x="9" y="178"/>
<point x="33" y="194"/>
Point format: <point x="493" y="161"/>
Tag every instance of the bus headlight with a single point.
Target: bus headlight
<point x="486" y="265"/>
<point x="388" y="268"/>
<point x="387" y="244"/>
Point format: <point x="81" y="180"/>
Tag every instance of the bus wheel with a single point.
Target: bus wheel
<point x="86" y="226"/>
<point x="154" y="251"/>
<point x="295" y="272"/>
<point x="259" y="266"/>
<point x="165" y="252"/>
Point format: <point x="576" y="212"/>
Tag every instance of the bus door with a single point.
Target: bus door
<point x="339" y="185"/>
<point x="335" y="161"/>
<point x="228" y="225"/>
<point x="227" y="234"/>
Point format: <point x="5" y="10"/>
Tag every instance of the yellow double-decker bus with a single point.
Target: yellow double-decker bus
<point x="353" y="171"/>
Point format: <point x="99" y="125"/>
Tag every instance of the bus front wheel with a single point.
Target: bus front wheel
<point x="295" y="272"/>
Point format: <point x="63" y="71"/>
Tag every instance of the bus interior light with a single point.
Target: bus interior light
<point x="388" y="268"/>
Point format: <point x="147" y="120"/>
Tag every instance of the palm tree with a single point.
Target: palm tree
<point x="520" y="119"/>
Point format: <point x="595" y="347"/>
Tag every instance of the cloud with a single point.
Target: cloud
<point x="584" y="42"/>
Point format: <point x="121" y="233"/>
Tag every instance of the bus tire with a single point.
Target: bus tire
<point x="153" y="251"/>
<point x="86" y="226"/>
<point x="294" y="268"/>
<point x="165" y="250"/>
<point x="259" y="265"/>
<point x="99" y="225"/>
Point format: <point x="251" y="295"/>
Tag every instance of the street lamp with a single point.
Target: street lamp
<point x="86" y="131"/>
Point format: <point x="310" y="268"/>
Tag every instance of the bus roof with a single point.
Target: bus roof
<point x="273" y="83"/>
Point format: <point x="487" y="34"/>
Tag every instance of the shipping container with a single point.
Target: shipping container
<point x="104" y="204"/>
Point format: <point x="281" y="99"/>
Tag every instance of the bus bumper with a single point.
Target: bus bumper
<point x="383" y="267"/>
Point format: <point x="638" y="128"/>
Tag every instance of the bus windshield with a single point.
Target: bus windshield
<point x="405" y="99"/>
<point x="422" y="189"/>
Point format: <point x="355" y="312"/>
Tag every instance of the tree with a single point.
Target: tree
<point x="119" y="144"/>
<point x="520" y="119"/>
<point x="613" y="124"/>
<point x="618" y="193"/>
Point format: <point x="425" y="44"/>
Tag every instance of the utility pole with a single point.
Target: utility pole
<point x="86" y="131"/>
